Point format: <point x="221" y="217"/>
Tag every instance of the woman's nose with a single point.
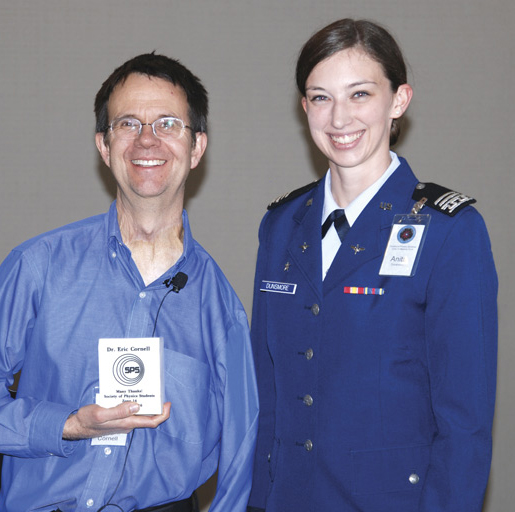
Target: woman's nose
<point x="341" y="115"/>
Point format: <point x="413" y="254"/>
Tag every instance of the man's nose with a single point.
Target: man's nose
<point x="147" y="137"/>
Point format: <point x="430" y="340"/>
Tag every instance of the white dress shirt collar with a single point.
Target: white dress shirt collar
<point x="331" y="242"/>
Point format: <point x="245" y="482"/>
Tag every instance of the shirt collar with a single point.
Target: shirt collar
<point x="354" y="209"/>
<point x="114" y="236"/>
<point x="113" y="229"/>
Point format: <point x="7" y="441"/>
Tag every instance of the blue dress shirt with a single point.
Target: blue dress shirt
<point x="62" y="291"/>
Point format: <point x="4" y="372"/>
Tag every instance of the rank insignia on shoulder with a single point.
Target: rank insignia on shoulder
<point x="292" y="195"/>
<point x="442" y="199"/>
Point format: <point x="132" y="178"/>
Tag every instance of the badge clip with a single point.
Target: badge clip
<point x="405" y="244"/>
<point x="418" y="206"/>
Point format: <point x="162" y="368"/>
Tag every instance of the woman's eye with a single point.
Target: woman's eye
<point x="319" y="97"/>
<point x="360" y="94"/>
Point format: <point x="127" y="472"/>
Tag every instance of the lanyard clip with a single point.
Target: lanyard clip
<point x="418" y="206"/>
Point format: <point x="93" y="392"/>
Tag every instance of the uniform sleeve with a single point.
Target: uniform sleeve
<point x="461" y="333"/>
<point x="266" y="386"/>
<point x="239" y="421"/>
<point x="28" y="427"/>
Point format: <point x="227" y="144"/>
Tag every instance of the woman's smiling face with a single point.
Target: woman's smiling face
<point x="350" y="106"/>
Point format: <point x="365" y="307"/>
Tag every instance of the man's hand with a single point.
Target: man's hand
<point x="94" y="421"/>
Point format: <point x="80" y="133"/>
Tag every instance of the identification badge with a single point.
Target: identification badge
<point x="276" y="287"/>
<point x="109" y="440"/>
<point x="405" y="245"/>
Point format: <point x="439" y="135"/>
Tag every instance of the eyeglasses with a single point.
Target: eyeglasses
<point x="165" y="127"/>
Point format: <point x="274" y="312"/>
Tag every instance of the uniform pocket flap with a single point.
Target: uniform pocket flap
<point x="390" y="469"/>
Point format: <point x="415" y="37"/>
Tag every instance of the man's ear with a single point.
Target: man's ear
<point x="103" y="148"/>
<point x="198" y="150"/>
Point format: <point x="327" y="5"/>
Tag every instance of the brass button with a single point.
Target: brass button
<point x="308" y="445"/>
<point x="309" y="354"/>
<point x="315" y="309"/>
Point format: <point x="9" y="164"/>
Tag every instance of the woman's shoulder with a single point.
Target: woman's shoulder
<point x="294" y="194"/>
<point x="442" y="199"/>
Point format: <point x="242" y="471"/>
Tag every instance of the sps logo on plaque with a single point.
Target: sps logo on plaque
<point x="128" y="370"/>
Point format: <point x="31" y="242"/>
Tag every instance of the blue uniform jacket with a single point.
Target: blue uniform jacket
<point x="370" y="402"/>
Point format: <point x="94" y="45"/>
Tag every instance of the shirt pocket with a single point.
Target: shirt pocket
<point x="187" y="388"/>
<point x="62" y="506"/>
<point x="390" y="470"/>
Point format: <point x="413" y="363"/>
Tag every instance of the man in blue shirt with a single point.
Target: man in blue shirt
<point x="108" y="277"/>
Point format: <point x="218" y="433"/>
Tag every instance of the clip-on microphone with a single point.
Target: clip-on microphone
<point x="177" y="282"/>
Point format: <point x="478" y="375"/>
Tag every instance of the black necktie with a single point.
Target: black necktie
<point x="340" y="223"/>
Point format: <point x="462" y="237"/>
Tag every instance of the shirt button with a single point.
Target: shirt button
<point x="142" y="295"/>
<point x="308" y="445"/>
<point x="90" y="503"/>
<point x="309" y="354"/>
<point x="308" y="400"/>
<point x="315" y="309"/>
<point x="113" y="255"/>
<point x="107" y="450"/>
<point x="414" y="478"/>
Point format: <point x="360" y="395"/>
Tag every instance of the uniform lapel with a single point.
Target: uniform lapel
<point x="368" y="236"/>
<point x="304" y="247"/>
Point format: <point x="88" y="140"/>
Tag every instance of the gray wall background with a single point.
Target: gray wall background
<point x="55" y="54"/>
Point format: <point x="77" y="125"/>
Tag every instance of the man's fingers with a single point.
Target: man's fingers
<point x="93" y="420"/>
<point x="121" y="411"/>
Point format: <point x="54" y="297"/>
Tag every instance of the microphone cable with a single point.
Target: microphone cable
<point x="177" y="282"/>
<point x="109" y="504"/>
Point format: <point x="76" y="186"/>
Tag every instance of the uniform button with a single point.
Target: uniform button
<point x="309" y="354"/>
<point x="90" y="503"/>
<point x="315" y="309"/>
<point x="269" y="457"/>
<point x="107" y="450"/>
<point x="142" y="295"/>
<point x="308" y="445"/>
<point x="414" y="478"/>
<point x="308" y="400"/>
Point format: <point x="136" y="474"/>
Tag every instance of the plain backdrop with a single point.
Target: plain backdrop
<point x="55" y="54"/>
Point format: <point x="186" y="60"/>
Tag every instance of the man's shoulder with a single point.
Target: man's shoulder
<point x="209" y="265"/>
<point x="214" y="280"/>
<point x="75" y="231"/>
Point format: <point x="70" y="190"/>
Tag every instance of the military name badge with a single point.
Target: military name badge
<point x="276" y="287"/>
<point x="404" y="245"/>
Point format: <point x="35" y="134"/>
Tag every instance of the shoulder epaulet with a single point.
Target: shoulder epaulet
<point x="442" y="199"/>
<point x="292" y="195"/>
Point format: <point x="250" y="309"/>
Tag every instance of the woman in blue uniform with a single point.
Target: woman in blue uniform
<point x="374" y="327"/>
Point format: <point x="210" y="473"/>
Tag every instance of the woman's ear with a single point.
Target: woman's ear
<point x="402" y="100"/>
